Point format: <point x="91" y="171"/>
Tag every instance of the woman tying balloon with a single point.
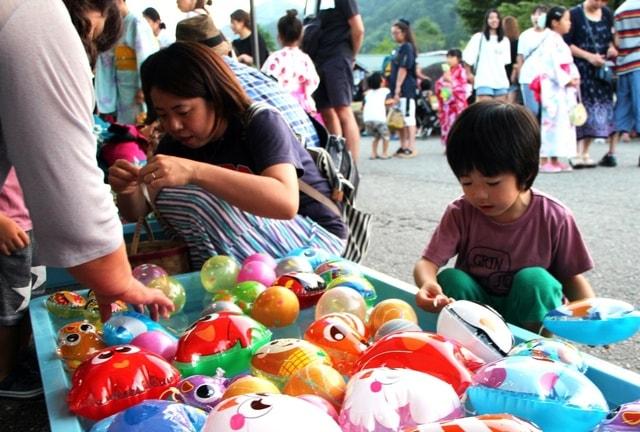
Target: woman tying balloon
<point x="224" y="180"/>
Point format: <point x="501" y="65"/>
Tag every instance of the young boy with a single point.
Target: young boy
<point x="17" y="380"/>
<point x="374" y="114"/>
<point x="518" y="249"/>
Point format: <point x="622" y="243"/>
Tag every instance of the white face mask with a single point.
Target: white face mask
<point x="542" y="21"/>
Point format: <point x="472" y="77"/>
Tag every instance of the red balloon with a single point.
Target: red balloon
<point x="308" y="287"/>
<point x="117" y="378"/>
<point x="425" y="352"/>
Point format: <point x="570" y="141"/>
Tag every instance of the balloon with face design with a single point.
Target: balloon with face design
<point x="66" y="304"/>
<point x="117" y="378"/>
<point x="343" y="344"/>
<point x="384" y="399"/>
<point x="77" y="341"/>
<point x="625" y="418"/>
<point x="279" y="360"/>
<point x="156" y="416"/>
<point x="268" y="413"/>
<point x="220" y="340"/>
<point x="487" y="422"/>
<point x="202" y="391"/>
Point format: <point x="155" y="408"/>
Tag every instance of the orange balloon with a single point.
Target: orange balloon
<point x="276" y="307"/>
<point x="250" y="384"/>
<point x="390" y="309"/>
<point x="318" y="379"/>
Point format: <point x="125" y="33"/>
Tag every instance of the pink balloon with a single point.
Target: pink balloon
<point x="257" y="271"/>
<point x="157" y="342"/>
<point x="262" y="257"/>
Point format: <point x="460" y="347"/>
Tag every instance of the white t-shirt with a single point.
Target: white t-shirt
<point x="529" y="40"/>
<point x="494" y="55"/>
<point x="374" y="108"/>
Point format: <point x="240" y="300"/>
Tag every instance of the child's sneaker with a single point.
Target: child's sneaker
<point x="21" y="384"/>
<point x="548" y="167"/>
<point x="608" y="160"/>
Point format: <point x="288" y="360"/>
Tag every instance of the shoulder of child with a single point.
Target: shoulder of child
<point x="551" y="205"/>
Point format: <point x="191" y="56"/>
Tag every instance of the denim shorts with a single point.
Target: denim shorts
<point x="488" y="91"/>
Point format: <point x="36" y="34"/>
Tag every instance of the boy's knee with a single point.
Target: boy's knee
<point x="535" y="291"/>
<point x="535" y="277"/>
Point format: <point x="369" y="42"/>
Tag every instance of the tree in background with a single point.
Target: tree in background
<point x="269" y="41"/>
<point x="429" y="37"/>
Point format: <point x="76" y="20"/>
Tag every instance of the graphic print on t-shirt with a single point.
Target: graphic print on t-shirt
<point x="492" y="269"/>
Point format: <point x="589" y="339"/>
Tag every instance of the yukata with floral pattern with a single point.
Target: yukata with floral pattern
<point x="557" y="99"/>
<point x="452" y="99"/>
<point x="295" y="72"/>
<point x="117" y="75"/>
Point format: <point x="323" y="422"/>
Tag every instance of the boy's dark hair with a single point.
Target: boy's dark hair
<point x="540" y="8"/>
<point x="495" y="138"/>
<point x="374" y="81"/>
<point x="242" y="16"/>
<point x="290" y="27"/>
<point x="455" y="52"/>
<point x="554" y="14"/>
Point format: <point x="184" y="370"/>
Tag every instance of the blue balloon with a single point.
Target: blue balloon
<point x="123" y="327"/>
<point x="594" y="321"/>
<point x="315" y="256"/>
<point x="156" y="416"/>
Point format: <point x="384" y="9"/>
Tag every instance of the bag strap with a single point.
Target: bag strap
<point x="475" y="65"/>
<point x="135" y="241"/>
<point x="588" y="26"/>
<point x="535" y="49"/>
<point x="316" y="195"/>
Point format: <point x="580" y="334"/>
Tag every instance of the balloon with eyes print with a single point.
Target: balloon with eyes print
<point x="201" y="391"/>
<point x="482" y="423"/>
<point x="257" y="412"/>
<point x="625" y="418"/>
<point x="117" y="378"/>
<point x="384" y="399"/>
<point x="220" y="340"/>
<point x="77" y="341"/>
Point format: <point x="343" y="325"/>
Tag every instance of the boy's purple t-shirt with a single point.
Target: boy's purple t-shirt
<point x="546" y="236"/>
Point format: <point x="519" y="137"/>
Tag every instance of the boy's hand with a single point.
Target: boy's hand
<point x="431" y="299"/>
<point x="12" y="237"/>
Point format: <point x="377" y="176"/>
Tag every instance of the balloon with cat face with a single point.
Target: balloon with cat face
<point x="256" y="412"/>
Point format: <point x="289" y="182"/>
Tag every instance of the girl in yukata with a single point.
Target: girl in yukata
<point x="292" y="68"/>
<point x="117" y="75"/>
<point x="558" y="85"/>
<point x="451" y="90"/>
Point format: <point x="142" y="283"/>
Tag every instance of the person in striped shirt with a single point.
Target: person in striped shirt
<point x="627" y="39"/>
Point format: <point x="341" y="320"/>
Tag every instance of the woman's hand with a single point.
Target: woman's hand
<point x="431" y="298"/>
<point x="166" y="171"/>
<point x="12" y="237"/>
<point x="123" y="177"/>
<point x="596" y="59"/>
<point x="612" y="52"/>
<point x="574" y="83"/>
<point x="138" y="295"/>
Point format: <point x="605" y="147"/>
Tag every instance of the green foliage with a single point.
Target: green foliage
<point x="269" y="40"/>
<point x="428" y="35"/>
<point x="385" y="46"/>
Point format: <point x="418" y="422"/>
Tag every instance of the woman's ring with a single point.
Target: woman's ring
<point x="153" y="176"/>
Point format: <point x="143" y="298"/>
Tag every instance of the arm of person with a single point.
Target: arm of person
<point x="402" y="74"/>
<point x="430" y="296"/>
<point x="273" y="193"/>
<point x="123" y="178"/>
<point x="595" y="59"/>
<point x="517" y="67"/>
<point x="73" y="214"/>
<point x="577" y="288"/>
<point x="12" y="237"/>
<point x="357" y="33"/>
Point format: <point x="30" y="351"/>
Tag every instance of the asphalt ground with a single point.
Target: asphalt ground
<point x="408" y="196"/>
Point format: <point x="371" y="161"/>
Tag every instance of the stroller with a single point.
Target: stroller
<point x="426" y="111"/>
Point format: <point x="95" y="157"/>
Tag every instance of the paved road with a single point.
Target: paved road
<point x="408" y="197"/>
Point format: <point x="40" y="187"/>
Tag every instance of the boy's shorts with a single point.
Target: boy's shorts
<point x="377" y="129"/>
<point x="16" y="284"/>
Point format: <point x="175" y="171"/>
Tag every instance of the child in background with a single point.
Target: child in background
<point x="374" y="114"/>
<point x="17" y="380"/>
<point x="518" y="249"/>
<point x="451" y="91"/>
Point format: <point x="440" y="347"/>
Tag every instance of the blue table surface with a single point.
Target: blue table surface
<point x="617" y="384"/>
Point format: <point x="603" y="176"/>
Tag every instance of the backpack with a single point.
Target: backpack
<point x="335" y="163"/>
<point x="311" y="33"/>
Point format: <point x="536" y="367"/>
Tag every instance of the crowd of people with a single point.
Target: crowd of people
<point x="227" y="174"/>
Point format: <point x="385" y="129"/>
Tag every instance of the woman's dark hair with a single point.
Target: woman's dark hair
<point x="191" y="70"/>
<point x="405" y="28"/>
<point x="78" y="10"/>
<point x="290" y="27"/>
<point x="554" y="14"/>
<point x="154" y="16"/>
<point x="455" y="52"/>
<point x="495" y="138"/>
<point x="242" y="16"/>
<point x="374" y="81"/>
<point x="487" y="30"/>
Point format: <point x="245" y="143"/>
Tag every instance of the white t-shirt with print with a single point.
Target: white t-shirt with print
<point x="529" y="41"/>
<point x="494" y="55"/>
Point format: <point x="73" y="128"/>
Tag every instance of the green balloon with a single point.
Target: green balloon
<point x="219" y="273"/>
<point x="172" y="289"/>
